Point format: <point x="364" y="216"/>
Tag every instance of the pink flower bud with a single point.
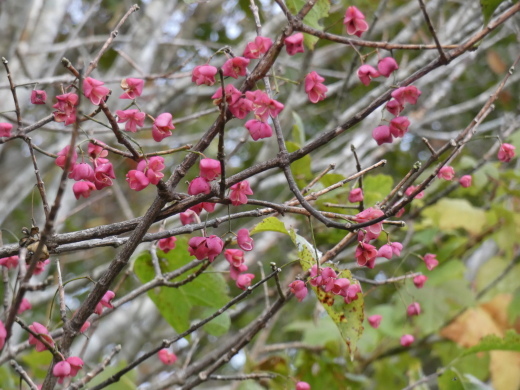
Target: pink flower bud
<point x="61" y="370"/>
<point x="410" y="190"/>
<point x="244" y="281"/>
<point x="9" y="262"/>
<point x="204" y="74"/>
<point x="188" y="217"/>
<point x="3" y="334"/>
<point x="82" y="171"/>
<point x="167" y="244"/>
<point x="5" y="129"/>
<point x="133" y="119"/>
<point x="83" y="188"/>
<point x="382" y="135"/>
<point x="209" y="169"/>
<point x="386" y="66"/>
<point x="235" y="67"/>
<point x="372" y="231"/>
<point x="394" y="107"/>
<point x="431" y="261"/>
<point x="97" y="152"/>
<point x="94" y="91"/>
<point x="465" y="181"/>
<point x="258" y="47"/>
<point x="66" y="108"/>
<point x="103" y="175"/>
<point x="241" y="108"/>
<point x="356" y="195"/>
<point x="76" y="364"/>
<point x="24" y="306"/>
<point x="106" y="301"/>
<point x="42" y="331"/>
<point x="232" y="95"/>
<point x="238" y="193"/>
<point x="419" y="281"/>
<point x="414" y="309"/>
<point x="258" y="129"/>
<point x="303" y="386"/>
<point x="385" y="251"/>
<point x="167" y="357"/>
<point x="199" y="185"/>
<point x="314" y="87"/>
<point x="365" y="254"/>
<point x="446" y="173"/>
<point x="38" y="96"/>
<point x="133" y="88"/>
<point x="355" y="21"/>
<point x="205" y="247"/>
<point x="162" y="126"/>
<point x="62" y="157"/>
<point x="399" y="126"/>
<point x="137" y="180"/>
<point x="299" y="289"/>
<point x="40" y="266"/>
<point x="366" y="73"/>
<point x="397" y="247"/>
<point x="340" y="286"/>
<point x="352" y="293"/>
<point x="375" y="320"/>
<point x="407" y="340"/>
<point x="244" y="241"/>
<point x="408" y="94"/>
<point x="84" y="327"/>
<point x="505" y="154"/>
<point x="234" y="272"/>
<point x="235" y="257"/>
<point x="263" y="105"/>
<point x="294" y="44"/>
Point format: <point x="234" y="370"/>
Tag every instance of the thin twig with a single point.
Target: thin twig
<point x="388" y="280"/>
<point x="61" y="294"/>
<point x="23" y="374"/>
<point x="39" y="181"/>
<point x="113" y="35"/>
<point x="432" y="31"/>
<point x="13" y="92"/>
<point x="96" y="371"/>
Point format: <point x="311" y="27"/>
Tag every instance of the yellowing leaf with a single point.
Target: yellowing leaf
<point x="348" y="318"/>
<point x="470" y="329"/>
<point x="448" y="214"/>
<point x="270" y="224"/>
<point x="312" y="19"/>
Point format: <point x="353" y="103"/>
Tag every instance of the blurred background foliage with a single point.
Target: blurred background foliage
<point x="473" y="231"/>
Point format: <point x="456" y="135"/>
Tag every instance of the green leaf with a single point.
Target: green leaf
<point x="38" y="363"/>
<point x="510" y="342"/>
<point x="376" y="187"/>
<point x="7" y="378"/>
<point x="218" y="326"/>
<point x="298" y="130"/>
<point x="301" y="169"/>
<point x="488" y="7"/>
<point x="513" y="311"/>
<point x="127" y="381"/>
<point x="270" y="224"/>
<point x="348" y="318"/>
<point x="175" y="304"/>
<point x="312" y="19"/>
<point x="450" y="214"/>
<point x="451" y="380"/>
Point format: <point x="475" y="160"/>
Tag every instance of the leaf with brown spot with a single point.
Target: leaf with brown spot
<point x="348" y="318"/>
